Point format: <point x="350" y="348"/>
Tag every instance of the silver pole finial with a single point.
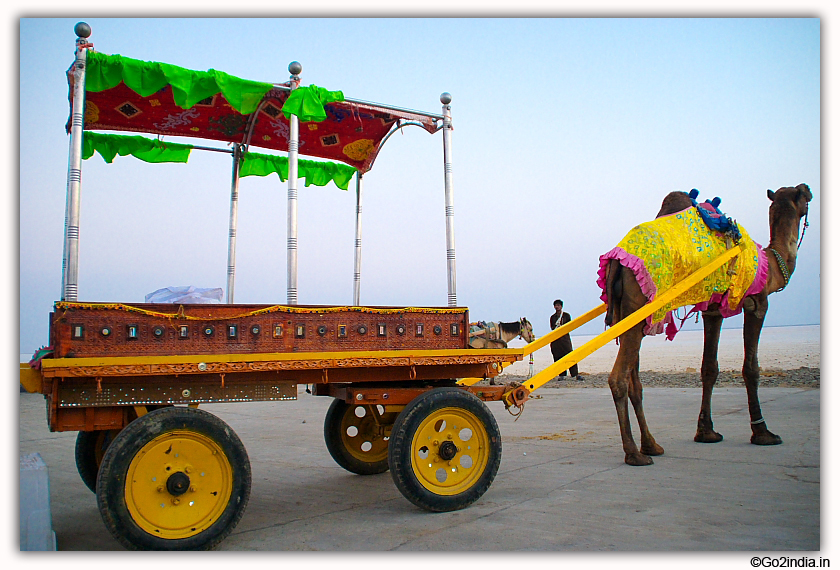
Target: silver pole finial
<point x="82" y="30"/>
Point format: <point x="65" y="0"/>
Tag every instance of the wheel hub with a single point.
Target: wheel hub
<point x="177" y="484"/>
<point x="447" y="450"/>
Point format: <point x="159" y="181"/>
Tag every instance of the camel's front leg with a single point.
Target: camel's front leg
<point x="620" y="378"/>
<point x="709" y="370"/>
<point x="753" y="320"/>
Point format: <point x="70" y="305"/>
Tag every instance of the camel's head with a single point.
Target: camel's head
<point x="785" y="198"/>
<point x="788" y="207"/>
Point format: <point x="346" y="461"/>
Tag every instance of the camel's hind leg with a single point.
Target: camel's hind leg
<point x="753" y="321"/>
<point x="649" y="445"/>
<point x="624" y="298"/>
<point x="621" y="380"/>
<point x="709" y="371"/>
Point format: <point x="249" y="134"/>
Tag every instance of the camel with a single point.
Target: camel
<point x="497" y="335"/>
<point x="624" y="296"/>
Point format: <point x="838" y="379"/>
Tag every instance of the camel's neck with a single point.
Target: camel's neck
<point x="783" y="237"/>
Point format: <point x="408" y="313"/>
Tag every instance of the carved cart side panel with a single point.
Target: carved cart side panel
<point x="91" y="330"/>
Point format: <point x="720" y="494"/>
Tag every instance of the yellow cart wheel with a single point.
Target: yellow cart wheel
<point x="174" y="479"/>
<point x="445" y="450"/>
<point x="90" y="448"/>
<point x="357" y="436"/>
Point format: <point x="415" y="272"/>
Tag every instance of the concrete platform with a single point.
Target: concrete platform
<point x="562" y="485"/>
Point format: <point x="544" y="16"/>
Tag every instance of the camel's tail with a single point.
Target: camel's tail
<point x="614" y="289"/>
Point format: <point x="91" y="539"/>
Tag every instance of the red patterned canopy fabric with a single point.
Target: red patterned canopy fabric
<point x="352" y="132"/>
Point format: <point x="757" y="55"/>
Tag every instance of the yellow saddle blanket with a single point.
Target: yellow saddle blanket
<point x="663" y="252"/>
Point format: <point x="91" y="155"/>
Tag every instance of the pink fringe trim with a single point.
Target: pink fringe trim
<point x="643" y="277"/>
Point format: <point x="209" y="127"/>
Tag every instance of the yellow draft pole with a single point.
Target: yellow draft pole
<point x="547" y="339"/>
<point x="567" y="328"/>
<point x="623" y="326"/>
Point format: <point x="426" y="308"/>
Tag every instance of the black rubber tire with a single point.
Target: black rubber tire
<point x="90" y="449"/>
<point x="401" y="454"/>
<point x="342" y="415"/>
<point x="113" y="485"/>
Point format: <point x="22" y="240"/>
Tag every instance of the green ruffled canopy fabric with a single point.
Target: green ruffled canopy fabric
<point x="188" y="86"/>
<point x="308" y="103"/>
<point x="253" y="164"/>
<point x="149" y="150"/>
<point x="313" y="172"/>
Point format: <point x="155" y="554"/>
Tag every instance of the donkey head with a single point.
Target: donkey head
<point x="525" y="330"/>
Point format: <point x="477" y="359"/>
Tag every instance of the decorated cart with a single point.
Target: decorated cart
<point x="130" y="377"/>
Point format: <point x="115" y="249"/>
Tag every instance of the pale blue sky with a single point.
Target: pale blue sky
<point x="568" y="132"/>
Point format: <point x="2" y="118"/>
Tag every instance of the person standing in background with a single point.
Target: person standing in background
<point x="563" y="345"/>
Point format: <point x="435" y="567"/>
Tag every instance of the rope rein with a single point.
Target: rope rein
<point x="805" y="227"/>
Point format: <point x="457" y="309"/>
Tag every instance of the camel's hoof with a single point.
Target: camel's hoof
<point x="765" y="438"/>
<point x="637" y="459"/>
<point x="654" y="449"/>
<point x="708" y="437"/>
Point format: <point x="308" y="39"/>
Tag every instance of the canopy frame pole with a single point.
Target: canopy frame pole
<point x="72" y="213"/>
<point x="295" y="69"/>
<point x="283" y="87"/>
<point x="357" y="266"/>
<point x="449" y="199"/>
<point x="234" y="215"/>
<point x="357" y="258"/>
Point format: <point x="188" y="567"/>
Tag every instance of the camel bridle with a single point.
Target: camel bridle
<point x="522" y="329"/>
<point x="804" y="227"/>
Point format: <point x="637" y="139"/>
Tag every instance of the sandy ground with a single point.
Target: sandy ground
<point x="789" y="357"/>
